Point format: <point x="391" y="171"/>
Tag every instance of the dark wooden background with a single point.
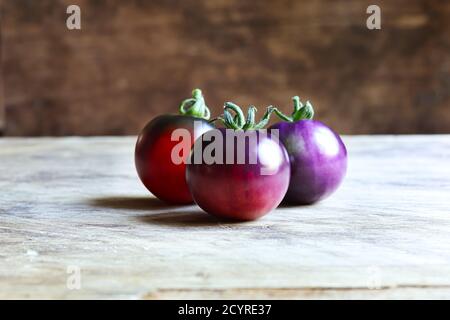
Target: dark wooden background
<point x="135" y="59"/>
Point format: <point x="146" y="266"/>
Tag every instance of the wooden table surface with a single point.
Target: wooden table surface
<point x="76" y="204"/>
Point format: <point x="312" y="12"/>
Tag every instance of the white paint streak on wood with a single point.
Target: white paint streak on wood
<point x="78" y="202"/>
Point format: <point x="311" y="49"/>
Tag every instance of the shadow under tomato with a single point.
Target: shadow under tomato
<point x="193" y="218"/>
<point x="285" y="204"/>
<point x="130" y="203"/>
<point x="161" y="213"/>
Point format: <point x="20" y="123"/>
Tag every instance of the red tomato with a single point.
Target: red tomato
<point x="244" y="189"/>
<point x="158" y="171"/>
<point x="241" y="191"/>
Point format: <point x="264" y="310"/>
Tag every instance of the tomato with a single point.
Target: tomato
<point x="155" y="165"/>
<point x="233" y="189"/>
<point x="317" y="155"/>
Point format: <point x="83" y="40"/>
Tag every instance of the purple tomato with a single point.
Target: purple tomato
<point x="154" y="156"/>
<point x="317" y="155"/>
<point x="246" y="175"/>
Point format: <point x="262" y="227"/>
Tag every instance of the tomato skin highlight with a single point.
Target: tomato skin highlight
<point x="153" y="156"/>
<point x="318" y="160"/>
<point x="240" y="191"/>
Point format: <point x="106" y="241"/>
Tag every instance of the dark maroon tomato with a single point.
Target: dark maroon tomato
<point x="155" y="165"/>
<point x="233" y="189"/>
<point x="317" y="155"/>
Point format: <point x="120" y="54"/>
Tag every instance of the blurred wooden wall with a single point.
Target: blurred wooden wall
<point x="2" y="102"/>
<point x="135" y="59"/>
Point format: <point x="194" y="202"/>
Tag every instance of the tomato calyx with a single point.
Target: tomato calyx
<point x="301" y="111"/>
<point x="239" y="121"/>
<point x="195" y="106"/>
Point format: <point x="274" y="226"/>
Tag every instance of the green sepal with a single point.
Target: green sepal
<point x="195" y="106"/>
<point x="239" y="122"/>
<point x="301" y="111"/>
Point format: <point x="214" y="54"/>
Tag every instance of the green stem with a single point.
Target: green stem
<point x="238" y="122"/>
<point x="266" y="118"/>
<point x="301" y="111"/>
<point x="239" y="118"/>
<point x="304" y="113"/>
<point x="195" y="106"/>
<point x="282" y="116"/>
<point x="297" y="104"/>
<point x="250" y="123"/>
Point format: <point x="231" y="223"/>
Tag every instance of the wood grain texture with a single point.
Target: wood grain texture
<point x="135" y="59"/>
<point x="78" y="202"/>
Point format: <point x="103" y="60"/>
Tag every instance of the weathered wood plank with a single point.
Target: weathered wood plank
<point x="77" y="202"/>
<point x="422" y="293"/>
